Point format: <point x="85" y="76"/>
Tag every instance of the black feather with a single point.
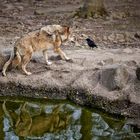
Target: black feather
<point x="91" y="43"/>
<point x="137" y="35"/>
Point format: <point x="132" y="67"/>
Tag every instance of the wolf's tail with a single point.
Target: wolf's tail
<point x="14" y="59"/>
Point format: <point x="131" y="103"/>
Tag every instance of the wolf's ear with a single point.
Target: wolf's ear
<point x="43" y="33"/>
<point x="48" y="30"/>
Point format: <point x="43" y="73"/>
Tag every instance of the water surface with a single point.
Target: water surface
<point x="31" y="119"/>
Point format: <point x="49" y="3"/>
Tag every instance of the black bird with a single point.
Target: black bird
<point x="137" y="35"/>
<point x="138" y="73"/>
<point x="91" y="43"/>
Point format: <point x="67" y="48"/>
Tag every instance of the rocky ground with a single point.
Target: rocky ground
<point x="104" y="78"/>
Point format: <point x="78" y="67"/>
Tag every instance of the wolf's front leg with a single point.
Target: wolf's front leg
<point x="46" y="57"/>
<point x="62" y="54"/>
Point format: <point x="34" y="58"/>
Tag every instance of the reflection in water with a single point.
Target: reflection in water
<point x="58" y="121"/>
<point x="1" y="122"/>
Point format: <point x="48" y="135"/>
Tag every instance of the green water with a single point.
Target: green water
<point x="30" y="119"/>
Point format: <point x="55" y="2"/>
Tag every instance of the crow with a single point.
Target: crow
<point x="138" y="73"/>
<point x="137" y="35"/>
<point x="91" y="43"/>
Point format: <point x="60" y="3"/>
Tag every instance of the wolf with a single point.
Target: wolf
<point x="50" y="36"/>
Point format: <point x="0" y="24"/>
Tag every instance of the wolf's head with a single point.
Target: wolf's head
<point x="64" y="33"/>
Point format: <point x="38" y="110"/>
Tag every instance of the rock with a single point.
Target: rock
<point x="131" y="63"/>
<point x="111" y="37"/>
<point x="114" y="77"/>
<point x="105" y="38"/>
<point x="108" y="61"/>
<point x="39" y="12"/>
<point x="137" y="35"/>
<point x="133" y="122"/>
<point x="77" y="44"/>
<point x="129" y="36"/>
<point x="138" y="73"/>
<point x="20" y="8"/>
<point x="120" y="37"/>
<point x="120" y="15"/>
<point x="84" y="35"/>
<point x="127" y="50"/>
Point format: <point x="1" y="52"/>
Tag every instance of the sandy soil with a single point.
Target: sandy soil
<point x="118" y="30"/>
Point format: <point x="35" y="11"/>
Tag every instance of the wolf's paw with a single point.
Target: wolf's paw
<point x="3" y="73"/>
<point x="49" y="63"/>
<point x="28" y="73"/>
<point x="69" y="60"/>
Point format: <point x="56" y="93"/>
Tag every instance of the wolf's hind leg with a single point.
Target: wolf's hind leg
<point x="16" y="61"/>
<point x="26" y="59"/>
